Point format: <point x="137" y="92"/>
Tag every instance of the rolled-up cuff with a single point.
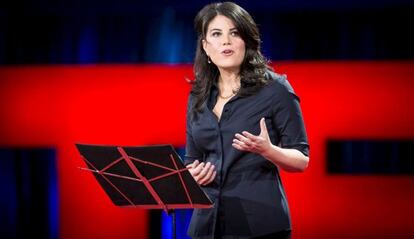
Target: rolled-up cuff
<point x="190" y="159"/>
<point x="304" y="148"/>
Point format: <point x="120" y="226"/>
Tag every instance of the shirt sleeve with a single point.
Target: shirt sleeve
<point x="287" y="118"/>
<point x="191" y="151"/>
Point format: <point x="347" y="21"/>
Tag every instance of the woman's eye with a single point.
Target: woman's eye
<point x="215" y="34"/>
<point x="235" y="34"/>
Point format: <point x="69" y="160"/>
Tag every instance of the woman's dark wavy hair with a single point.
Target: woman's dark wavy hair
<point x="253" y="67"/>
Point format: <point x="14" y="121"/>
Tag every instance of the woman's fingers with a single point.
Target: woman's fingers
<point x="195" y="171"/>
<point x="204" y="180"/>
<point x="249" y="136"/>
<point x="244" y="139"/>
<point x="211" y="178"/>
<point x="252" y="143"/>
<point x="193" y="164"/>
<point x="239" y="145"/>
<point x="203" y="172"/>
<point x="263" y="128"/>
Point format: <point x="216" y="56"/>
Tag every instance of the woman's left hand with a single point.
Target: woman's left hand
<point x="252" y="143"/>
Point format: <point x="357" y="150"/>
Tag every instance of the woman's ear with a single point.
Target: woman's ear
<point x="204" y="43"/>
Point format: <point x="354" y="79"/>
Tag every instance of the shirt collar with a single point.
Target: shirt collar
<point x="212" y="98"/>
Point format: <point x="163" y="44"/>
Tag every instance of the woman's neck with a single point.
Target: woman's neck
<point x="229" y="80"/>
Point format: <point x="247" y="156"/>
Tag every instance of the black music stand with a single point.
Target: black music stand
<point x="151" y="177"/>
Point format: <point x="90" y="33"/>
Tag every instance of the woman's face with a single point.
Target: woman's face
<point x="223" y="44"/>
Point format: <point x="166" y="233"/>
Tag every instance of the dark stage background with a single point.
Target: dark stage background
<point x="113" y="72"/>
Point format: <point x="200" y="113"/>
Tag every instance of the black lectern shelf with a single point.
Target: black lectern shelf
<point x="151" y="177"/>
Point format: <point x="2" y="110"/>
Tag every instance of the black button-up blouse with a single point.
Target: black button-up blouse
<point x="247" y="192"/>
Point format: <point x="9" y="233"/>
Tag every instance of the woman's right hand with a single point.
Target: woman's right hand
<point x="202" y="173"/>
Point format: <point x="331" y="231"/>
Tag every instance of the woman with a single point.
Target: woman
<point x="243" y="123"/>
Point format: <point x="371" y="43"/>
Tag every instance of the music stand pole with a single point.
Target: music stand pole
<point x="173" y="224"/>
<point x="172" y="212"/>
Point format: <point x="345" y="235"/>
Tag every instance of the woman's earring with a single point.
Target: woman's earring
<point x="208" y="60"/>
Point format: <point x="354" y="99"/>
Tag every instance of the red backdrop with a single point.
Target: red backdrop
<point x="57" y="106"/>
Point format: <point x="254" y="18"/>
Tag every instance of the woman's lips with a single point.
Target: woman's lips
<point x="227" y="52"/>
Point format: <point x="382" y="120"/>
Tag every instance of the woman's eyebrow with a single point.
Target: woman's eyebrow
<point x="217" y="29"/>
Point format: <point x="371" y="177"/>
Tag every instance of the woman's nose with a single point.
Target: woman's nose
<point x="226" y="40"/>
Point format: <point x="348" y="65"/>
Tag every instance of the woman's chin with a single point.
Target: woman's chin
<point x="228" y="66"/>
